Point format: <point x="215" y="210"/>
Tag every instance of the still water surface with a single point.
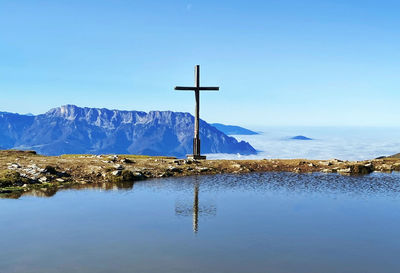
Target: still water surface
<point x="272" y="222"/>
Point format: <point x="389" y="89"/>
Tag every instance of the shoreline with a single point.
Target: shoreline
<point x="24" y="171"/>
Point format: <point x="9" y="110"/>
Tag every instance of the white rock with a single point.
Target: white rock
<point x="43" y="179"/>
<point x="116" y="173"/>
<point x="348" y="170"/>
<point x="325" y="163"/>
<point x="119" y="167"/>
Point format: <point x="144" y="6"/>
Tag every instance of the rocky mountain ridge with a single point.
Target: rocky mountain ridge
<point x="72" y="129"/>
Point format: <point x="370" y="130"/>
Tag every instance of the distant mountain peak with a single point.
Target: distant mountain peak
<point x="233" y="130"/>
<point x="68" y="111"/>
<point x="300" y="137"/>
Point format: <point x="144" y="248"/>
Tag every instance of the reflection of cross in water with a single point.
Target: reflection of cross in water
<point x="196" y="207"/>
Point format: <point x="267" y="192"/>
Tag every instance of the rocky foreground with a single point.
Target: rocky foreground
<point x="22" y="171"/>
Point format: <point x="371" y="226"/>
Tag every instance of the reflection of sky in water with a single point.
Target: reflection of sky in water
<point x="259" y="222"/>
<point x="342" y="143"/>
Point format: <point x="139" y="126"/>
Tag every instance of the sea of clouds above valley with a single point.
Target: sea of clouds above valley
<point x="346" y="143"/>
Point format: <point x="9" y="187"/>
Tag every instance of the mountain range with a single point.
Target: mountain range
<point x="71" y="129"/>
<point x="233" y="130"/>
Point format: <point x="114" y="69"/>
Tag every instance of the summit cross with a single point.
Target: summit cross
<point x="196" y="89"/>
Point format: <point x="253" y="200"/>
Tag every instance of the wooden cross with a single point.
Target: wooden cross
<point x="196" y="89"/>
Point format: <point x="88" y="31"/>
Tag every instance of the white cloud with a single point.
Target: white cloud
<point x="346" y="144"/>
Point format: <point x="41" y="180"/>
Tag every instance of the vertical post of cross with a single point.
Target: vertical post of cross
<point x="196" y="140"/>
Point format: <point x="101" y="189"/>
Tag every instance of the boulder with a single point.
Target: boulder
<point x="119" y="167"/>
<point x="174" y="169"/>
<point x="116" y="173"/>
<point x="43" y="179"/>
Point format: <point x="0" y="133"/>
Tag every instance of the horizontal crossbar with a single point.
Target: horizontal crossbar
<point x="183" y="88"/>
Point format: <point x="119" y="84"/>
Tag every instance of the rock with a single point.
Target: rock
<point x="64" y="174"/>
<point x="174" y="169"/>
<point x="43" y="179"/>
<point x="116" y="173"/>
<point x="60" y="180"/>
<point x="369" y="165"/>
<point x="34" y="176"/>
<point x="302" y="163"/>
<point x="119" y="167"/>
<point x="138" y="176"/>
<point x="384" y="168"/>
<point x="326" y="163"/>
<point x="335" y="170"/>
<point x="361" y="169"/>
<point x="357" y="169"/>
<point x="126" y="175"/>
<point x="236" y="166"/>
<point x="396" y="167"/>
<point x="297" y="170"/>
<point x="311" y="165"/>
<point x="127" y="161"/>
<point x="165" y="174"/>
<point x="344" y="171"/>
<point x="335" y="160"/>
<point x="50" y="170"/>
<point x="202" y="169"/>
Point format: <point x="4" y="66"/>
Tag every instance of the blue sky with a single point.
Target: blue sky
<point x="277" y="62"/>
